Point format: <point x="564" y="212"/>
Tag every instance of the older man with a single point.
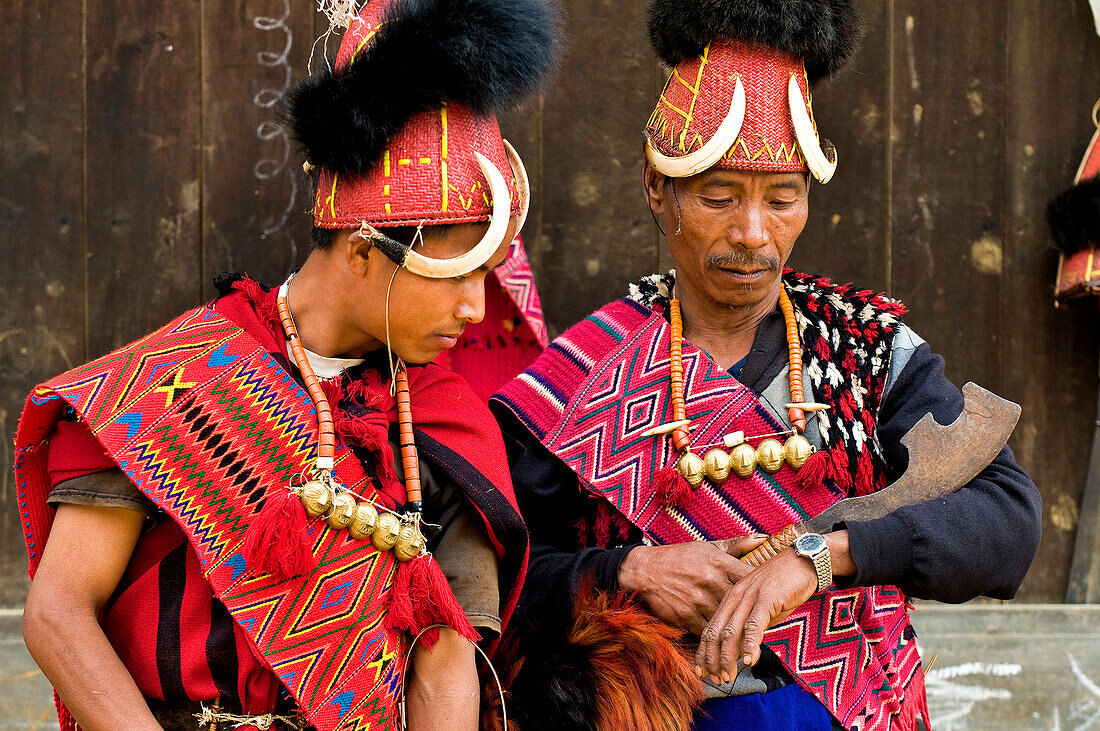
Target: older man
<point x="655" y="438"/>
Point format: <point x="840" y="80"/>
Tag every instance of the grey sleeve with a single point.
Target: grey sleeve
<point x="463" y="550"/>
<point x="107" y="489"/>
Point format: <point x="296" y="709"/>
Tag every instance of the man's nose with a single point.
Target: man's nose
<point x="471" y="307"/>
<point x="749" y="229"/>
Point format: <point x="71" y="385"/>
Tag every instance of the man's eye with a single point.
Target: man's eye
<point x="717" y="202"/>
<point x="460" y="278"/>
<point x="781" y="204"/>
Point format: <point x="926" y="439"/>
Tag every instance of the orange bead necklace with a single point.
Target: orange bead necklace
<point x="322" y="497"/>
<point x="742" y="459"/>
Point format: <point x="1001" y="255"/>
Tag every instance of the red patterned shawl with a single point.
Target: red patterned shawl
<point x="166" y="404"/>
<point x="604" y="382"/>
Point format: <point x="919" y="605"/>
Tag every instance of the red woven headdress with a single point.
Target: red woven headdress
<point x="404" y="129"/>
<point x="739" y="93"/>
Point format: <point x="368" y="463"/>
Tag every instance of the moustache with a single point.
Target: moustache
<point x="743" y="260"/>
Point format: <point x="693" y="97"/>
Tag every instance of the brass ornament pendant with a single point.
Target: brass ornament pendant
<point x="770" y="456"/>
<point x="692" y="468"/>
<point x="363" y="521"/>
<point x="386" y="531"/>
<point x="796" y="451"/>
<point x="343" y="510"/>
<point x="717" y="465"/>
<point x="410" y="541"/>
<point x="317" y="497"/>
<point x="743" y="460"/>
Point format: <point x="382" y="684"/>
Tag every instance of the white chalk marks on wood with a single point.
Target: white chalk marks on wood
<point x="272" y="131"/>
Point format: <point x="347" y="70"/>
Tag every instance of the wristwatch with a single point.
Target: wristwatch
<point x="813" y="547"/>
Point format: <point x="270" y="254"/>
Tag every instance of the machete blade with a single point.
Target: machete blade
<point x="941" y="459"/>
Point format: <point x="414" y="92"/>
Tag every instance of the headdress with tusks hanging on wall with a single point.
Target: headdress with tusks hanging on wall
<point x="739" y="93"/>
<point x="403" y="130"/>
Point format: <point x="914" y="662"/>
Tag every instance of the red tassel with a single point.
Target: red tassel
<point x="276" y="541"/>
<point x="421" y="597"/>
<point x="64" y="719"/>
<point x="671" y="486"/>
<point x="812" y="473"/>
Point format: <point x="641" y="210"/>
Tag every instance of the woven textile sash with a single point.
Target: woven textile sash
<point x="598" y="432"/>
<point x="206" y="423"/>
<point x="603" y="383"/>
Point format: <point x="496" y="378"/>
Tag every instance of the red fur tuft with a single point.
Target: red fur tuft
<point x="671" y="486"/>
<point x="276" y="541"/>
<point x="645" y="681"/>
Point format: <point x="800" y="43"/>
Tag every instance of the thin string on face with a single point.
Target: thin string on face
<point x="390" y="358"/>
<point x="676" y="198"/>
<point x="389" y="349"/>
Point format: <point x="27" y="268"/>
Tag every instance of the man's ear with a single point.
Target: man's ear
<point x="653" y="185"/>
<point x="356" y="250"/>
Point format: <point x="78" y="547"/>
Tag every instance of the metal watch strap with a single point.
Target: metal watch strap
<point x="823" y="565"/>
<point x="821" y="559"/>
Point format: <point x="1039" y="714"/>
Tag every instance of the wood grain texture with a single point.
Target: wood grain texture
<point x="1050" y="355"/>
<point x="596" y="233"/>
<point x="948" y="180"/>
<point x="255" y="196"/>
<point x="847" y="234"/>
<point x="41" y="230"/>
<point x="955" y="125"/>
<point x="143" y="170"/>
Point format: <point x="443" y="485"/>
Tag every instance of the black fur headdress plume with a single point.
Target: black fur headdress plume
<point x="1074" y="217"/>
<point x="485" y="54"/>
<point x="825" y="34"/>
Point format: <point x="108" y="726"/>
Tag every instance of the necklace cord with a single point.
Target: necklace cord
<point x="488" y="662"/>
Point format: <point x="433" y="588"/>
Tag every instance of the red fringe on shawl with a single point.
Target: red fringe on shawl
<point x="812" y="473"/>
<point x="671" y="486"/>
<point x="264" y="303"/>
<point x="276" y="541"/>
<point x="422" y="597"/>
<point x="915" y="705"/>
<point x="369" y="431"/>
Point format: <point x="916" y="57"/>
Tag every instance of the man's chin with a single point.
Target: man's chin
<point x="746" y="297"/>
<point x="419" y="356"/>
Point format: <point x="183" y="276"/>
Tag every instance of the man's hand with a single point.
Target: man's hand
<point x="683" y="583"/>
<point x="764" y="597"/>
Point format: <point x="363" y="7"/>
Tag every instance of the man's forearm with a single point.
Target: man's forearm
<point x="443" y="689"/>
<point x="87" y="673"/>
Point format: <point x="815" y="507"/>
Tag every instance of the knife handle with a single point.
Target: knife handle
<point x="769" y="548"/>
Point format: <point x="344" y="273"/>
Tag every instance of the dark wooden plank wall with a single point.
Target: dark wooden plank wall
<point x="142" y="154"/>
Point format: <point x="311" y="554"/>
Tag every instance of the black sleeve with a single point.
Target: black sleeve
<point x="978" y="540"/>
<point x="552" y="504"/>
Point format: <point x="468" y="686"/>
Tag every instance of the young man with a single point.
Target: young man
<point x="246" y="518"/>
<point x="650" y="439"/>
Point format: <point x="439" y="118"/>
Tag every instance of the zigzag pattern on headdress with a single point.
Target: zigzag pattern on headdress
<point x="207" y="424"/>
